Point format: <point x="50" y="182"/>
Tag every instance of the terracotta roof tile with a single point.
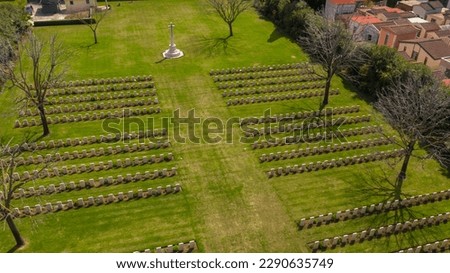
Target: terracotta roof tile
<point x="401" y="29"/>
<point x="365" y="19"/>
<point x="382" y="24"/>
<point x="436" y="48"/>
<point x="443" y="33"/>
<point x="430" y="26"/>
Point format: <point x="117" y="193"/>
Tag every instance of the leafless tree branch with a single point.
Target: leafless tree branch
<point x="420" y="111"/>
<point x="229" y="10"/>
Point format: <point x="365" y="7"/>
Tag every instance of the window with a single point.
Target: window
<point x="414" y="55"/>
<point x="386" y="39"/>
<point x="71" y="3"/>
<point x="425" y="61"/>
<point x="404" y="48"/>
<point x="447" y="73"/>
<point x="87" y="2"/>
<point x="369" y="37"/>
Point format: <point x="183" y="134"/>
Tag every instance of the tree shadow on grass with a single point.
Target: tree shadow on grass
<point x="14" y="249"/>
<point x="215" y="46"/>
<point x="275" y="35"/>
<point x="445" y="172"/>
<point x="87" y="46"/>
<point x="357" y="93"/>
<point x="377" y="183"/>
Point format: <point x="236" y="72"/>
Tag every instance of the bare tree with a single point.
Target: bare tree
<point x="46" y="60"/>
<point x="9" y="184"/>
<point x="93" y="20"/>
<point x="229" y="10"/>
<point x="420" y="111"/>
<point x="330" y="45"/>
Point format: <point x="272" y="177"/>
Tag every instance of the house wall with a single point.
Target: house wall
<point x="436" y="18"/>
<point x="408" y="48"/>
<point x="420" y="56"/>
<point x="431" y="63"/>
<point x="444" y="67"/>
<point x="423" y="13"/>
<point x="331" y="9"/>
<point x="404" y="7"/>
<point x="345" y="9"/>
<point x="367" y="33"/>
<point x="431" y="35"/>
<point x="393" y="39"/>
<point x="424" y="33"/>
<point x="79" y="5"/>
<point x="389" y="41"/>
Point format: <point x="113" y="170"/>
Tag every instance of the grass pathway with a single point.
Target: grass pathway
<point x="235" y="208"/>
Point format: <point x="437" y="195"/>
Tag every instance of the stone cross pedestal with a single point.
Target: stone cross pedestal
<point x="172" y="52"/>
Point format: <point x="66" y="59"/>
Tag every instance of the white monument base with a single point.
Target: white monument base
<point x="173" y="52"/>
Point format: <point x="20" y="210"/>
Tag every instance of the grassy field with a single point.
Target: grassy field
<point x="227" y="203"/>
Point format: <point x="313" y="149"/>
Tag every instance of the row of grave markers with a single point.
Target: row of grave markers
<point x="91" y="183"/>
<point x="269" y="89"/>
<point x="268" y="81"/>
<point x="126" y="112"/>
<point x="179" y="248"/>
<point x="102" y="96"/>
<point x="381" y="207"/>
<point x="93" y="152"/>
<point x="92" y="89"/>
<point x="259" y="68"/>
<point x="288" y="117"/>
<point x="91" y="201"/>
<point x="318" y="150"/>
<point x="92" y="167"/>
<point x="51" y="110"/>
<point x="301" y="128"/>
<point x="333" y="163"/>
<point x="261" y="75"/>
<point x="61" y="143"/>
<point x="437" y="246"/>
<point x="102" y="81"/>
<point x="274" y="98"/>
<point x="369" y="234"/>
<point x="311" y="138"/>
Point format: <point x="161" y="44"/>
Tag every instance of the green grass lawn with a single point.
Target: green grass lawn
<point x="227" y="204"/>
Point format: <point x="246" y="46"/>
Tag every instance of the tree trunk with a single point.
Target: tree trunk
<point x="402" y="175"/>
<point x="46" y="130"/>
<point x="12" y="226"/>
<point x="230" y="27"/>
<point x="327" y="90"/>
<point x="95" y="36"/>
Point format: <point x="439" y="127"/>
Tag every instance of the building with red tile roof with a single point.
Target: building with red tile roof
<point x="426" y="28"/>
<point x="338" y="7"/>
<point x="390" y="36"/>
<point x="361" y="27"/>
<point x="426" y="51"/>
